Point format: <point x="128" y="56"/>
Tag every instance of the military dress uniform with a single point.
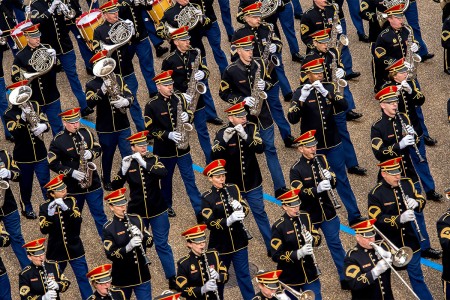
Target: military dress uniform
<point x="102" y="275"/>
<point x="7" y="22"/>
<point x="443" y="231"/>
<point x="5" y="286"/>
<point x="445" y="42"/>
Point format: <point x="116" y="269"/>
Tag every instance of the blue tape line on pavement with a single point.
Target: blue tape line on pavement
<point x="270" y="198"/>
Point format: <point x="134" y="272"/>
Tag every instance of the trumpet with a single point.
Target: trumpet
<point x="422" y="238"/>
<point x="68" y="12"/>
<point x="230" y="199"/>
<point x="401" y="256"/>
<point x="304" y="231"/>
<point x="331" y="192"/>
<point x="305" y="295"/>
<point x="147" y="260"/>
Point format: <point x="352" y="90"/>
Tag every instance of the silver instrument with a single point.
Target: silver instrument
<point x="182" y="128"/>
<point x="195" y="88"/>
<point x="405" y="132"/>
<point x="335" y="41"/>
<point x="230" y="199"/>
<point x="404" y="197"/>
<point x="400" y="256"/>
<point x="216" y="292"/>
<point x="410" y="57"/>
<point x="339" y="82"/>
<point x="305" y="295"/>
<point x="382" y="17"/>
<point x="47" y="276"/>
<point x="41" y="61"/>
<point x="189" y="16"/>
<point x="146" y="258"/>
<point x="4" y="185"/>
<point x="256" y="93"/>
<point x="143" y="2"/>
<point x="271" y="61"/>
<point x="304" y="231"/>
<point x="331" y="193"/>
<point x="65" y="9"/>
<point x="86" y="166"/>
<point x="120" y="34"/>
<point x="269" y="7"/>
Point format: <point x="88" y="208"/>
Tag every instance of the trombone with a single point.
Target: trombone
<point x="305" y="295"/>
<point x="401" y="256"/>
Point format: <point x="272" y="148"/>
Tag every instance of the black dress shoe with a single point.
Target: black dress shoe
<point x="288" y="97"/>
<point x="297" y="57"/>
<point x="363" y="38"/>
<point x="160" y="50"/>
<point x="215" y="121"/>
<point x="433" y="196"/>
<point x="86" y="111"/>
<point x="352" y="75"/>
<point x="172" y="283"/>
<point x="289" y="141"/>
<point x="357" y="170"/>
<point x="431" y="253"/>
<point x="298" y="16"/>
<point x="353" y="115"/>
<point x="344" y="285"/>
<point x="171" y="213"/>
<point x="427" y="56"/>
<point x="10" y="138"/>
<point x="429" y="141"/>
<point x="107" y="186"/>
<point x="30" y="215"/>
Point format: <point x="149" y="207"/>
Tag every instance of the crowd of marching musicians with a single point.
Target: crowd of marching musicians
<point x="108" y="36"/>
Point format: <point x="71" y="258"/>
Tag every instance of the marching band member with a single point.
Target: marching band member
<point x="143" y="172"/>
<point x="367" y="273"/>
<point x="306" y="174"/>
<point x="125" y="243"/>
<point x="238" y="143"/>
<point x="162" y="117"/>
<point x="112" y="123"/>
<point x="7" y="22"/>
<point x="5" y="286"/>
<point x="60" y="218"/>
<point x="293" y="239"/>
<point x="443" y="231"/>
<point x="394" y="206"/>
<point x="70" y="153"/>
<point x="445" y="37"/>
<point x="100" y="278"/>
<point x="269" y="286"/>
<point x="313" y="105"/>
<point x="29" y="151"/>
<point x="201" y="271"/>
<point x="224" y="211"/>
<point x="41" y="278"/>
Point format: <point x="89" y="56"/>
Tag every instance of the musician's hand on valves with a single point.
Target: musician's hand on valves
<point x="236" y="205"/>
<point x="235" y="217"/>
<point x="39" y="129"/>
<point x="213" y="273"/>
<point x="249" y="101"/>
<point x="306" y="90"/>
<point x="50" y="295"/>
<point x="175" y="136"/>
<point x="135" y="241"/>
<point x="187" y="97"/>
<point x="340" y="73"/>
<point x="384" y="253"/>
<point x="78" y="175"/>
<point x="54" y="5"/>
<point x="52" y="52"/>
<point x="241" y="131"/>
<point x="136" y="231"/>
<point x="25" y="112"/>
<point x="121" y="102"/>
<point x="138" y="157"/>
<point x="52" y="285"/>
<point x="261" y="84"/>
<point x="126" y="163"/>
<point x="410" y="130"/>
<point x="228" y="134"/>
<point x="5" y="173"/>
<point x="209" y="286"/>
<point x="27" y="9"/>
<point x="407" y="216"/>
<point x="326" y="174"/>
<point x="61" y="204"/>
<point x="414" y="47"/>
<point x="411" y="203"/>
<point x="405" y="85"/>
<point x="406" y="141"/>
<point x="319" y="87"/>
<point x="199" y="75"/>
<point x="339" y="28"/>
<point x="106" y="83"/>
<point x="307" y="249"/>
<point x="131" y="25"/>
<point x="323" y="186"/>
<point x="272" y="48"/>
<point x="87" y="155"/>
<point x="380" y="268"/>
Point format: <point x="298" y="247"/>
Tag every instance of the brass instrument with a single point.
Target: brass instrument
<point x="335" y="41"/>
<point x="331" y="192"/>
<point x="189" y="16"/>
<point x="305" y="295"/>
<point x="256" y="93"/>
<point x="382" y="17"/>
<point x="230" y="199"/>
<point x="41" y="61"/>
<point x="146" y="258"/>
<point x="405" y="132"/>
<point x="120" y="34"/>
<point x="269" y="7"/>
<point x="4" y="185"/>
<point x="105" y="70"/>
<point x="86" y="166"/>
<point x="422" y="238"/>
<point x="143" y="2"/>
<point x="216" y="292"/>
<point x="270" y="61"/>
<point x="68" y="12"/>
<point x="182" y="128"/>
<point x="304" y="231"/>
<point x="195" y="88"/>
<point x="410" y="57"/>
<point x="400" y="257"/>
<point x="339" y="82"/>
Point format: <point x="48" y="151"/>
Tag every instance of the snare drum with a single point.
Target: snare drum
<point x="86" y="24"/>
<point x="18" y="36"/>
<point x="158" y="9"/>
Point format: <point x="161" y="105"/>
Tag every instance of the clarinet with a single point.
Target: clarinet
<point x="415" y="221"/>
<point x="216" y="292"/>
<point x="230" y="199"/>
<point x="147" y="260"/>
<point x="331" y="193"/>
<point x="304" y="231"/>
<point x="46" y="276"/>
<point x="416" y="149"/>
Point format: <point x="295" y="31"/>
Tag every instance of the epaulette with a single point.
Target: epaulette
<point x="296" y="163"/>
<point x="8" y="109"/>
<point x="152" y="98"/>
<point x="349" y="252"/>
<point x="206" y="193"/>
<point x="386" y="30"/>
<point x="233" y="64"/>
<point x="447" y="214"/>
<point x="181" y="260"/>
<point x="379" y="119"/>
<point x="26" y="269"/>
<point x="309" y="9"/>
<point x="107" y="223"/>
<point x="278" y="222"/>
<point x="170" y="55"/>
<point x="376" y="187"/>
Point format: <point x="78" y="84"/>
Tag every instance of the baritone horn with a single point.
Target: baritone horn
<point x="305" y="295"/>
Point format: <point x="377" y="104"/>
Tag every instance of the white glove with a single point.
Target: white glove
<point x="307" y="249"/>
<point x="184" y="117"/>
<point x="27" y="9"/>
<point x="137" y="2"/>
<point x="138" y="157"/>
<point x="134" y="242"/>
<point x="384" y="253"/>
<point x="209" y="286"/>
<point x="126" y="163"/>
<point x="106" y="82"/>
<point x="51" y="51"/>
<point x="414" y="47"/>
<point x="411" y="203"/>
<point x="199" y="75"/>
<point x="39" y="129"/>
<point x="249" y="101"/>
<point x="131" y="25"/>
<point x="78" y="175"/>
<point x="87" y="155"/>
<point x="5" y="173"/>
<point x="306" y="90"/>
<point x="54" y="6"/>
<point x="240" y="130"/>
<point x="405" y="85"/>
<point x="1" y="32"/>
<point x="235" y="217"/>
<point x="51" y="208"/>
<point x="318" y="86"/>
<point x="187" y="97"/>
<point x="340" y="73"/>
<point x="121" y="102"/>
<point x="61" y="204"/>
<point x="213" y="274"/>
<point x="228" y="134"/>
<point x="380" y="268"/>
<point x="282" y="296"/>
<point x="407" y="216"/>
<point x="308" y="237"/>
<point x="236" y="205"/>
<point x="407" y="65"/>
<point x="410" y="130"/>
<point x="261" y="84"/>
<point x="408" y="140"/>
<point x="272" y="48"/>
<point x="52" y="285"/>
<point x="326" y="174"/>
<point x="339" y="28"/>
<point x="136" y="231"/>
<point x="175" y="136"/>
<point x="50" y="295"/>
<point x="25" y="112"/>
<point x="323" y="186"/>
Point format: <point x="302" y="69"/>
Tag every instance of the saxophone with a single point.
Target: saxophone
<point x="269" y="60"/>
<point x="182" y="128"/>
<point x="86" y="166"/>
<point x="256" y="93"/>
<point x="339" y="82"/>
<point x="335" y="41"/>
<point x="411" y="57"/>
<point x="195" y="88"/>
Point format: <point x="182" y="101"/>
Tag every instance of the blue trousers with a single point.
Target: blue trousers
<point x="297" y="7"/>
<point x="282" y="79"/>
<point x="85" y="52"/>
<point x="145" y="55"/>
<point x="5" y="287"/>
<point x="160" y="226"/>
<point x="109" y="142"/>
<point x="349" y="151"/>
<point x="187" y="174"/>
<point x="80" y="269"/>
<point x="276" y="109"/>
<point x="416" y="279"/>
<point x="135" y="108"/>
<point x="337" y="162"/>
<point x="42" y="172"/>
<point x="210" y="108"/>
<point x="52" y="111"/>
<point x="349" y="98"/>
<point x="422" y="169"/>
<point x="3" y="101"/>
<point x="95" y="203"/>
<point x="286" y="17"/>
<point x="353" y="7"/>
<point x="422" y="120"/>
<point x="203" y="134"/>
<point x="224" y="6"/>
<point x="313" y="286"/>
<point x="412" y="16"/>
<point x="267" y="135"/>
<point x="241" y="268"/>
<point x="141" y="292"/>
<point x="94" y="5"/>
<point x="256" y="202"/>
<point x="150" y="26"/>
<point x="69" y="64"/>
<point x="346" y="55"/>
<point x="213" y="36"/>
<point x="330" y="230"/>
<point x="13" y="227"/>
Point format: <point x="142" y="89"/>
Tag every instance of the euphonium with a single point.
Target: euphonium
<point x="86" y="166"/>
<point x="182" y="128"/>
<point x="305" y="295"/>
<point x="4" y="185"/>
<point x="195" y="88"/>
<point x="257" y="94"/>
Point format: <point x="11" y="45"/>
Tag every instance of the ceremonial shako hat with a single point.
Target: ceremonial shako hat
<point x="139" y="139"/>
<point x="110" y="7"/>
<point x="269" y="279"/>
<point x="117" y="197"/>
<point x="98" y="56"/>
<point x="195" y="234"/>
<point x="168" y="295"/>
<point x="290" y="198"/>
<point x="56" y="184"/>
<point x="321" y="36"/>
<point x="396" y="10"/>
<point x="398" y="66"/>
<point x="32" y="31"/>
<point x="253" y="10"/>
<point x="100" y="274"/>
<point x="17" y="84"/>
<point x="241" y="40"/>
<point x="237" y="110"/>
<point x="314" y="66"/>
<point x="307" y="139"/>
<point x="391" y="166"/>
<point x="215" y="168"/>
<point x="164" y="78"/>
<point x="36" y="247"/>
<point x="71" y="115"/>
<point x="181" y="34"/>
<point x="387" y="94"/>
<point x="365" y="228"/>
